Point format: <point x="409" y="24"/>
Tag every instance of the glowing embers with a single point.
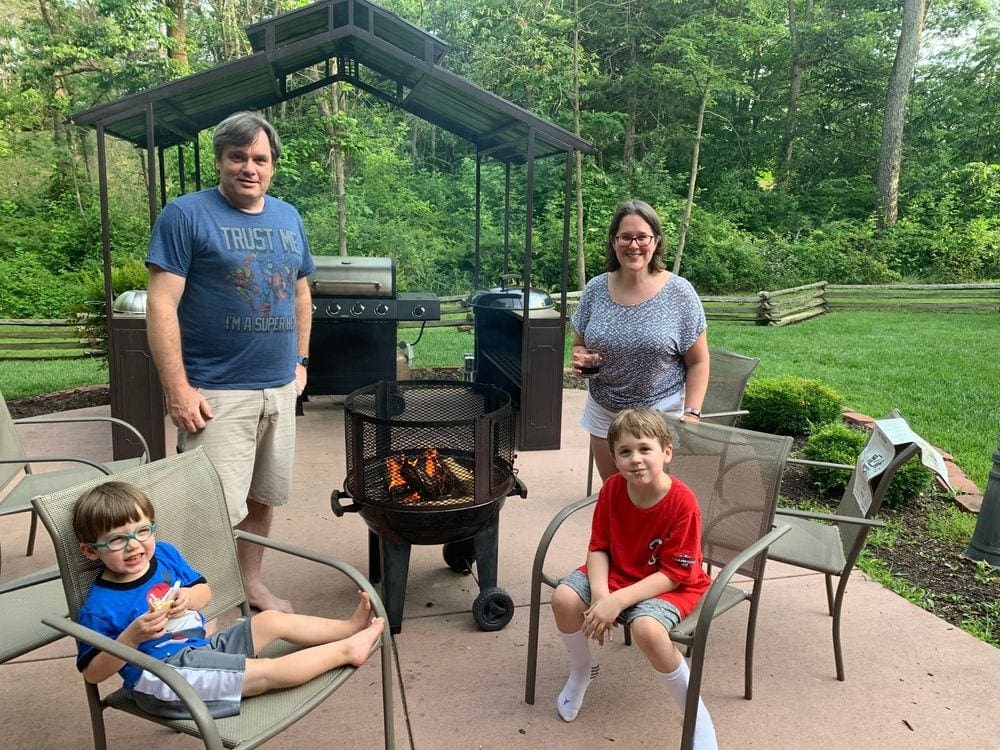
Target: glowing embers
<point x="427" y="478"/>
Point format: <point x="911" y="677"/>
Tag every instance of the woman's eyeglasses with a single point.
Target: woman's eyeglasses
<point x="118" y="542"/>
<point x="642" y="240"/>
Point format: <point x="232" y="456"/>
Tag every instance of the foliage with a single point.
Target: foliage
<point x="789" y="405"/>
<point x="835" y="442"/>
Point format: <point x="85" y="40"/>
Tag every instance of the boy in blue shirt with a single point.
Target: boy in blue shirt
<point x="148" y="597"/>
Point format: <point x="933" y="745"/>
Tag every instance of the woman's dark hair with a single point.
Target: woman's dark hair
<point x="241" y="129"/>
<point x="646" y="212"/>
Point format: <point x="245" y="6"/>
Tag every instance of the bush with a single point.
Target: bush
<point x="789" y="405"/>
<point x="837" y="443"/>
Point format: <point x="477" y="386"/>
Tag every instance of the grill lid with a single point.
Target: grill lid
<point x="340" y="276"/>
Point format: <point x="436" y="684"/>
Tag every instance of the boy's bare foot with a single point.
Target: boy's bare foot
<point x="261" y="598"/>
<point x="360" y="644"/>
<point x="362" y="616"/>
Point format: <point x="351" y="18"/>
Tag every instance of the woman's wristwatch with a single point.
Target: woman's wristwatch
<point x="692" y="411"/>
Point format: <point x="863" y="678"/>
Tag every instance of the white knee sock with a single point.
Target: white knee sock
<point x="581" y="672"/>
<point x="676" y="683"/>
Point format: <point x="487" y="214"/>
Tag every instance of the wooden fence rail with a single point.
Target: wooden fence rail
<point x="32" y="339"/>
<point x="37" y="339"/>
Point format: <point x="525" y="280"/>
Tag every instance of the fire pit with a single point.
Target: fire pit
<point x="431" y="462"/>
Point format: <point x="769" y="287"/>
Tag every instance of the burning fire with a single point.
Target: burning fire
<point x="427" y="478"/>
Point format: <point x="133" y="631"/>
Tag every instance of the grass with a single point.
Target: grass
<point x="938" y="369"/>
<point x="20" y="378"/>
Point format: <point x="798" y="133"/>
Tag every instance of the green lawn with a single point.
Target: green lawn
<point x="939" y="370"/>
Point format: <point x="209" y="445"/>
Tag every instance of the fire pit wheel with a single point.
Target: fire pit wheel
<point x="493" y="609"/>
<point x="460" y="555"/>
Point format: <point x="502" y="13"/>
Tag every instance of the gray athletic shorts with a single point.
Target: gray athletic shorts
<point x="215" y="670"/>
<point x="251" y="442"/>
<point x="662" y="611"/>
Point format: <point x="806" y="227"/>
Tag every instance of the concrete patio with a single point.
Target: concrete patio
<point x="913" y="681"/>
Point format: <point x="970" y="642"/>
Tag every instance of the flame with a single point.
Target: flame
<point x="394" y="467"/>
<point x="431" y="463"/>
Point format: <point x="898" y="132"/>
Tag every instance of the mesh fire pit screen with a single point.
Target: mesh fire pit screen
<point x="429" y="445"/>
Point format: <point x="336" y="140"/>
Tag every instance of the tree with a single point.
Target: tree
<point x="890" y="153"/>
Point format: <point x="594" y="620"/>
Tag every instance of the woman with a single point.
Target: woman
<point x="648" y="326"/>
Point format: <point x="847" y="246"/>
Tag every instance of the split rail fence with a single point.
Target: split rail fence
<point x="37" y="339"/>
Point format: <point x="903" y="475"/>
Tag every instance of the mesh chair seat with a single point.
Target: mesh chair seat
<point x="685" y="629"/>
<point x="810" y="545"/>
<point x="22" y="610"/>
<point x="18" y="500"/>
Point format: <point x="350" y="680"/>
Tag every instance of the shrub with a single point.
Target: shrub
<point x="835" y="442"/>
<point x="789" y="405"/>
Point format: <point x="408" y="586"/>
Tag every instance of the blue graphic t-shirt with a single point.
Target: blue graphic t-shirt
<point x="237" y="313"/>
<point x="111" y="607"/>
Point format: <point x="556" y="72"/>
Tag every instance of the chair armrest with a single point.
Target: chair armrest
<point x="537" y="569"/>
<point x="32" y="579"/>
<point x="822" y="464"/>
<point x="112" y="420"/>
<point x="347" y="569"/>
<point x="715" y="591"/>
<point x="721" y="414"/>
<point x="57" y="459"/>
<point x="189" y="697"/>
<point x="832" y="517"/>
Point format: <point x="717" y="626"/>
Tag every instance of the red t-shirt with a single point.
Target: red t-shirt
<point x="642" y="541"/>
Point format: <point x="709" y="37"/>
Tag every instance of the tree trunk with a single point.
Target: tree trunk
<point x="581" y="259"/>
<point x="336" y="154"/>
<point x="692" y="183"/>
<point x="890" y="153"/>
<point x="794" y="87"/>
<point x="177" y="32"/>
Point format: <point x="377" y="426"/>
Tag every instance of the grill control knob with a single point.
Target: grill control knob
<point x="358" y="309"/>
<point x="382" y="309"/>
<point x="418" y="311"/>
<point x="333" y="309"/>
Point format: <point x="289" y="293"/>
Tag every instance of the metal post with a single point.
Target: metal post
<point x="985" y="542"/>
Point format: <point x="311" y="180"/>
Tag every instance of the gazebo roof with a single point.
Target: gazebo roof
<point x="328" y="41"/>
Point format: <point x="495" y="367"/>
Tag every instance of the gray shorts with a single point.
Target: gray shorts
<point x="215" y="670"/>
<point x="660" y="610"/>
<point x="251" y="442"/>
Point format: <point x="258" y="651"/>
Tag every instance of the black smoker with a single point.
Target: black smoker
<point x="355" y="311"/>
<point x="431" y="462"/>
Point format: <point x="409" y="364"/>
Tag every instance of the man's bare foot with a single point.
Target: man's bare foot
<point x="360" y="644"/>
<point x="261" y="598"/>
<point x="362" y="616"/>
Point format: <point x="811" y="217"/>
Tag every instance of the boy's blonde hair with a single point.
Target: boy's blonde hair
<point x="107" y="506"/>
<point x="640" y="423"/>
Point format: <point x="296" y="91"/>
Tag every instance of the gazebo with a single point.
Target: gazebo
<point x="378" y="52"/>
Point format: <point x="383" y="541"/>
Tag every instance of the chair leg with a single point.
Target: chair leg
<point x="748" y="656"/>
<point x="628" y="634"/>
<point x="96" y="717"/>
<point x="32" y="529"/>
<point x="829" y="594"/>
<point x="590" y="468"/>
<point x="838" y="651"/>
<point x="534" y="616"/>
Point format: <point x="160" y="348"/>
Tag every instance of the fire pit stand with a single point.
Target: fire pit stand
<point x="431" y="462"/>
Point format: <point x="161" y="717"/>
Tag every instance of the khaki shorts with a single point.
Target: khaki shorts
<point x="251" y="442"/>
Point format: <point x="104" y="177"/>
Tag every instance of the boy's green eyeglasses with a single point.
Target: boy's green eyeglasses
<point x="118" y="542"/>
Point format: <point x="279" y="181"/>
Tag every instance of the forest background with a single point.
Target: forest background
<point x="782" y="141"/>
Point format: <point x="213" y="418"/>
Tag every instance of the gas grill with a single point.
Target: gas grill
<point x="356" y="309"/>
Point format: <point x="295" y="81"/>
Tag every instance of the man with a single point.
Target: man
<point x="228" y="317"/>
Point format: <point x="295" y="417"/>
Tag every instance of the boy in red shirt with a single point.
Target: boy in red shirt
<point x="644" y="566"/>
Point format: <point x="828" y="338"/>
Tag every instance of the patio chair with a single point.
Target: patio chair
<point x="735" y="474"/>
<point x="830" y="543"/>
<point x="191" y="513"/>
<point x="728" y="379"/>
<point x="15" y="462"/>
<point x="23" y="604"/>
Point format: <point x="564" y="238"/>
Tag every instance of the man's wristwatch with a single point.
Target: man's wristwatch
<point x="304" y="361"/>
<point x="691" y="410"/>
